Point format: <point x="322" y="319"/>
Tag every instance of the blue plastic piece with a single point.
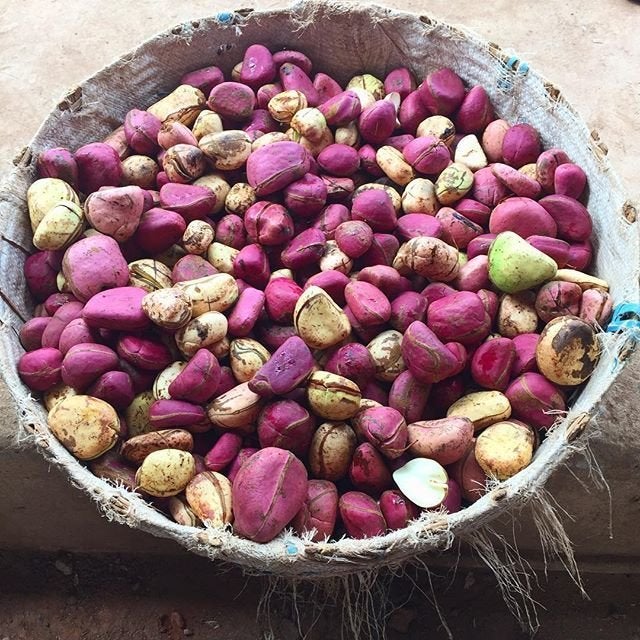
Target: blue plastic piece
<point x="626" y="317"/>
<point x="225" y="17"/>
<point x="291" y="549"/>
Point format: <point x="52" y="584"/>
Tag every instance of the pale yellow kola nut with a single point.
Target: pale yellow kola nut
<point x="246" y="357"/>
<point x="136" y="449"/>
<point x="227" y="150"/>
<point x="318" y="320"/>
<point x="56" y="394"/>
<point x="236" y="409"/>
<point x="483" y="408"/>
<point x="136" y="415"/>
<point x="171" y="256"/>
<point x="419" y="196"/>
<point x="149" y="274"/>
<point x="183" y="104"/>
<point x="470" y="153"/>
<point x="365" y="97"/>
<point x="221" y="348"/>
<point x="181" y="512"/>
<point x="165" y="378"/>
<point x="269" y="138"/>
<point x="197" y="237"/>
<point x="333" y="397"/>
<point x="44" y="194"/>
<point x="395" y="167"/>
<point x="166" y="472"/>
<point x="517" y="314"/>
<point x="315" y="147"/>
<point x="209" y="496"/>
<point x="206" y="122"/>
<point x="239" y="198"/>
<point x="62" y="284"/>
<point x="331" y="450"/>
<point x="210" y="293"/>
<point x="281" y="273"/>
<point x="504" y="448"/>
<point x="140" y="171"/>
<point x="283" y="106"/>
<point x="218" y="184"/>
<point x="334" y="259"/>
<point x="168" y="308"/>
<point x="453" y="183"/>
<point x="385" y="350"/>
<point x="583" y="280"/>
<point x="438" y="126"/>
<point x="87" y="427"/>
<point x="530" y="170"/>
<point x="222" y="256"/>
<point x="310" y="123"/>
<point x="201" y="332"/>
<point x="367" y="82"/>
<point x="348" y="134"/>
<point x="60" y="227"/>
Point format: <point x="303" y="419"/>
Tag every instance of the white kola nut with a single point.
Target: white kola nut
<point x="183" y="104"/>
<point x="334" y="259"/>
<point x="396" y="168"/>
<point x="201" y="332"/>
<point x="44" y="194"/>
<point x="469" y="152"/>
<point x="367" y="82"/>
<point x="438" y="126"/>
<point x="168" y="308"/>
<point x="348" y="134"/>
<point x="197" y="237"/>
<point x="61" y="226"/>
<point x="239" y="198"/>
<point x="165" y="378"/>
<point x="227" y="150"/>
<point x="419" y="196"/>
<point x="222" y="256"/>
<point x="246" y="357"/>
<point x="207" y="122"/>
<point x="309" y="123"/>
<point x="218" y="184"/>
<point x="283" y="106"/>
<point x="319" y="321"/>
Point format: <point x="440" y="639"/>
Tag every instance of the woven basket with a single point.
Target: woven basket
<point x="342" y="40"/>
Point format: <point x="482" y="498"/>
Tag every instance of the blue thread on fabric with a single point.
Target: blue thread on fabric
<point x="626" y="317"/>
<point x="291" y="549"/>
<point x="225" y="17"/>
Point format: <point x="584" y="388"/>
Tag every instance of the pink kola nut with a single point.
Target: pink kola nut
<point x="377" y="122"/>
<point x="407" y="308"/>
<point x="76" y="332"/>
<point x="306" y="197"/>
<point x="158" y="230"/>
<point x="382" y="251"/>
<point x="40" y="272"/>
<point x="569" y="180"/>
<point x="453" y="501"/>
<point x="474" y="274"/>
<point x="330" y="218"/>
<point x="119" y="308"/>
<point x="525" y="358"/>
<point x="436" y="291"/>
<point x="141" y="130"/>
<point x="204" y="79"/>
<point x="273" y="336"/>
<point x="98" y="166"/>
<point x="58" y="163"/>
<point x="445" y="440"/>
<point x="326" y="87"/>
<point x="144" y="353"/>
<point x="338" y="189"/>
<point x="375" y="391"/>
<point x="244" y="454"/>
<point x="367" y="303"/>
<point x="167" y="414"/>
<point x="200" y="380"/>
<point x="246" y="312"/>
<point x="191" y="201"/>
<point x="162" y="179"/>
<point x="319" y="511"/>
<point x="252" y="265"/>
<point x="492" y="139"/>
<point x="385" y="278"/>
<point x="487" y="189"/>
<point x="281" y="296"/>
<point x="409" y="397"/>
<point x="305" y="250"/>
<point x="191" y="267"/>
<point x="399" y="142"/>
<point x="368" y="471"/>
<point x="460" y="317"/>
<point x="557" y="298"/>
<point x="339" y="160"/>
<point x="84" y="363"/>
<point x="546" y="165"/>
<point x="289" y="366"/>
<point x="268" y="491"/>
<point x="516" y="181"/>
<point x="580" y="255"/>
<point x="341" y="109"/>
<point x="553" y="247"/>
<point x="41" y="369"/>
<point x="115" y="212"/>
<point x="294" y="57"/>
<point x="475" y="112"/>
<point x="490" y="302"/>
<point x="479" y="246"/>
<point x="268" y="223"/>
<point x="258" y="66"/>
<point x="260" y="121"/>
<point x="474" y="210"/>
<point x="230" y="231"/>
<point x="374" y="207"/>
<point x="223" y="452"/>
<point x="457" y="230"/>
<point x="287" y="425"/>
<point x="521" y="145"/>
<point x="115" y="388"/>
<point x="354" y="237"/>
<point x="523" y="216"/>
<point x="274" y="166"/>
<point x="61" y="318"/>
<point x="361" y="515"/>
<point x="31" y="333"/>
<point x="442" y="92"/>
<point x="352" y="361"/>
<point x="492" y="363"/>
<point x="398" y="510"/>
<point x="266" y="92"/>
<point x="571" y="217"/>
<point x="333" y="282"/>
<point x="427" y="154"/>
<point x="232" y="100"/>
<point x="400" y="81"/>
<point x="412" y="112"/>
<point x="293" y="77"/>
<point x="368" y="161"/>
<point x="535" y="400"/>
<point x="365" y="334"/>
<point x="386" y="429"/>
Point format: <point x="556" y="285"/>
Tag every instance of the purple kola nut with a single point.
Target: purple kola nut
<point x="580" y="255"/>
<point x="397" y="509"/>
<point x="553" y="247"/>
<point x="474" y="274"/>
<point x="143" y="353"/>
<point x="535" y="400"/>
<point x="361" y="515"/>
<point x="295" y="57"/>
<point x="368" y="471"/>
<point x="119" y="308"/>
<point x="223" y="452"/>
<point x="492" y="139"/>
<point x="460" y="317"/>
<point x="262" y="509"/>
<point x="412" y="112"/>
<point x="246" y="312"/>
<point x="141" y="130"/>
<point x="516" y="181"/>
<point x="31" y="333"/>
<point x="352" y="361"/>
<point x="475" y="112"/>
<point x="457" y="230"/>
<point x="204" y="79"/>
<point x="76" y="332"/>
<point x="273" y="336"/>
<point x="521" y="145"/>
<point x="266" y="92"/>
<point x="158" y="230"/>
<point x="341" y="109"/>
<point x="399" y="142"/>
<point x="252" y="265"/>
<point x="304" y="250"/>
<point x="191" y="267"/>
<point x="191" y="201"/>
<point x="490" y="302"/>
<point x="492" y="362"/>
<point x="230" y="231"/>
<point x="98" y="166"/>
<point x="400" y="81"/>
<point x="354" y="238"/>
<point x="487" y="188"/>
<point x="166" y="414"/>
<point x="453" y="502"/>
<point x="268" y="223"/>
<point x="436" y="291"/>
<point x="546" y="165"/>
<point x="338" y="189"/>
<point x="571" y="217"/>
<point x="56" y="300"/>
<point x="385" y="428"/>
<point x="385" y="278"/>
<point x="427" y="154"/>
<point x="382" y="251"/>
<point x="333" y="282"/>
<point x="375" y="391"/>
<point x="368" y="161"/>
<point x="40" y="369"/>
<point x="326" y="87"/>
<point x="407" y="308"/>
<point x="319" y="510"/>
<point x="367" y="303"/>
<point x="569" y="180"/>
<point x="260" y="120"/>
<point x="281" y="296"/>
<point x="232" y="100"/>
<point x="596" y="307"/>
<point x="293" y="77"/>
<point x="60" y="319"/>
<point x="339" y="160"/>
<point x="272" y="167"/>
<point x="94" y="264"/>
<point x="287" y="425"/>
<point x="115" y="212"/>
<point x="306" y="197"/>
<point x="377" y="122"/>
<point x="330" y="218"/>
<point x="58" y="163"/>
<point x="557" y="298"/>
<point x="442" y="92"/>
<point x="199" y="380"/>
<point x="374" y="206"/>
<point x="162" y="179"/>
<point x="409" y="397"/>
<point x="525" y="359"/>
<point x="115" y="388"/>
<point x="40" y="273"/>
<point x="479" y="246"/>
<point x="258" y="66"/>
<point x="288" y="367"/>
<point x="523" y="216"/>
<point x="243" y="455"/>
<point x="85" y="363"/>
<point x="474" y="210"/>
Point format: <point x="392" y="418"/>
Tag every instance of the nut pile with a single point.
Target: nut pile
<point x="274" y="301"/>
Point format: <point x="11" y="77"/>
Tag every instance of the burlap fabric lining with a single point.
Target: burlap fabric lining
<point x="342" y="40"/>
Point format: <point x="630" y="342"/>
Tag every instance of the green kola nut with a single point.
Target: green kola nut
<point x="514" y="265"/>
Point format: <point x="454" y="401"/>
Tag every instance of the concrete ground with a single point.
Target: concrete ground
<point x="590" y="50"/>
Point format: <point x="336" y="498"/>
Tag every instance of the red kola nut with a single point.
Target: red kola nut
<point x="352" y="361"/>
<point x="304" y="250"/>
<point x="475" y="112"/>
<point x="40" y="273"/>
<point x="306" y="197"/>
<point x="361" y="515"/>
<point x="492" y="139"/>
<point x="223" y="452"/>
<point x="436" y="290"/>
<point x="58" y="163"/>
<point x="326" y="87"/>
<point x="427" y="154"/>
<point x="274" y="166"/>
<point x="98" y="166"/>
<point x="385" y="278"/>
<point x="523" y="216"/>
<point x="487" y="188"/>
<point x="445" y="440"/>
<point x="144" y="353"/>
<point x="119" y="308"/>
<point x="521" y="145"/>
<point x="191" y="201"/>
<point x="252" y="266"/>
<point x="56" y="300"/>
<point x="369" y="162"/>
<point x="374" y="206"/>
<point x="246" y="312"/>
<point x="287" y="425"/>
<point x="490" y="301"/>
<point x="260" y="121"/>
<point x="375" y="391"/>
<point x="535" y="400"/>
<point x="232" y="100"/>
<point x="474" y="210"/>
<point x="474" y="274"/>
<point x="41" y="369"/>
<point x="319" y="511"/>
<point x="115" y="388"/>
<point x="368" y="471"/>
<point x="571" y="217"/>
<point x="368" y="304"/>
<point x="266" y="92"/>
<point x="84" y="363"/>
<point x="569" y="180"/>
<point x="339" y="160"/>
<point x="453" y="502"/>
<point x="204" y="79"/>
<point x="445" y="393"/>
<point x="407" y="308"/>
<point x="469" y="476"/>
<point x="516" y="181"/>
<point x="273" y="336"/>
<point x="385" y="428"/>
<point x="338" y="189"/>
<point x="377" y="122"/>
<point x="556" y="299"/>
<point x="295" y="57"/>
<point x="457" y="230"/>
<point x="199" y="381"/>
<point x="382" y="251"/>
<point x="412" y="112"/>
<point x="142" y="380"/>
<point x="293" y="77"/>
<point x="341" y="109"/>
<point x="525" y="359"/>
<point x="492" y="362"/>
<point x="31" y="333"/>
<point x="230" y="231"/>
<point x="244" y="454"/>
<point x="141" y="130"/>
<point x="400" y="81"/>
<point x="442" y="92"/>
<point x="553" y="247"/>
<point x="398" y="510"/>
<point x="546" y="165"/>
<point x="227" y="381"/>
<point x="172" y="133"/>
<point x="191" y="267"/>
<point x="158" y="230"/>
<point x="268" y="223"/>
<point x="281" y="296"/>
<point x="366" y="334"/>
<point x="333" y="282"/>
<point x="165" y="414"/>
<point x="460" y="317"/>
<point x="354" y="238"/>
<point x="409" y="397"/>
<point x="258" y="66"/>
<point x="580" y="255"/>
<point x="330" y="218"/>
